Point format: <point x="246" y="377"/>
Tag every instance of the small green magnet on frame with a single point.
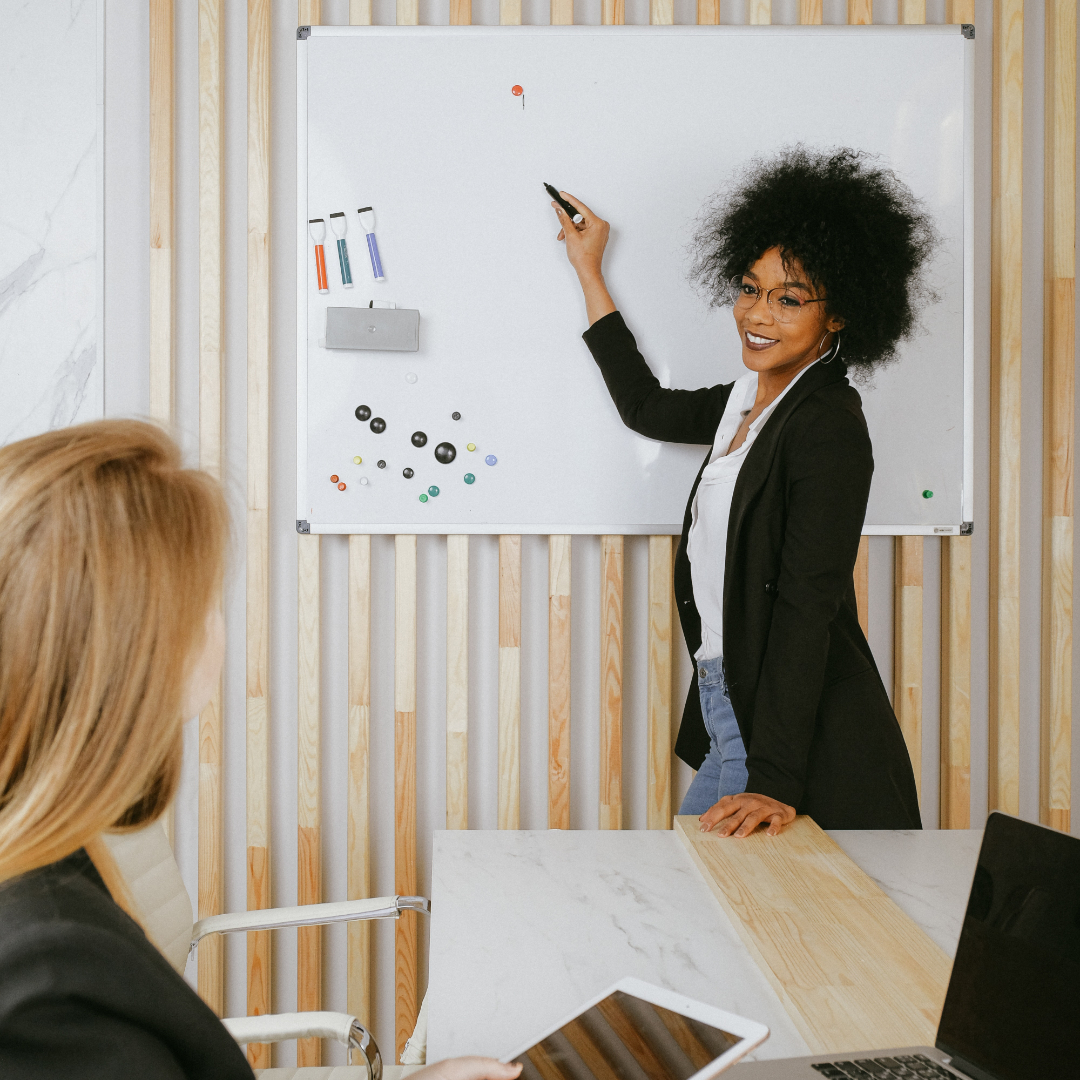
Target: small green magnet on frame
<point x="927" y="494"/>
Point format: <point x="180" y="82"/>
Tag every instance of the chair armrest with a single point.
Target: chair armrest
<point x="379" y="907"/>
<point x="277" y="1027"/>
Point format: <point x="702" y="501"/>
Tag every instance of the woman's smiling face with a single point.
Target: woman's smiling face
<point x="782" y="345"/>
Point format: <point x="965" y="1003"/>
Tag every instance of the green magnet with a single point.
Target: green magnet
<point x="927" y="494"/>
<point x="423" y="498"/>
<point x="469" y="478"/>
<point x="433" y="491"/>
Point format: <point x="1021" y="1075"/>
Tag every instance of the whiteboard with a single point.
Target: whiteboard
<point x="644" y="124"/>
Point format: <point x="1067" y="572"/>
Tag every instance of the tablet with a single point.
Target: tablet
<point x="637" y="1031"/>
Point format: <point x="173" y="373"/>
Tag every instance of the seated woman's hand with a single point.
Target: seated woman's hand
<point x="742" y="814"/>
<point x="468" y="1068"/>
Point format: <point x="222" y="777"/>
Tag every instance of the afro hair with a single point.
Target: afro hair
<point x="855" y="229"/>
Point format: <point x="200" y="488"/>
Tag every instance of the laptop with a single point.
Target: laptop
<point x="1012" y="1010"/>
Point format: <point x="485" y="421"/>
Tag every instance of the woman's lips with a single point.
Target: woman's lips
<point x="757" y="342"/>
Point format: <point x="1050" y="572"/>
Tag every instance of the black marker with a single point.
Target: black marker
<point x="572" y="212"/>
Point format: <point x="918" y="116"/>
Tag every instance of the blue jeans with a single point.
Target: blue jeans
<point x="723" y="772"/>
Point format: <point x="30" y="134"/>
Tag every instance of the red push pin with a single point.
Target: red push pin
<point x="518" y="91"/>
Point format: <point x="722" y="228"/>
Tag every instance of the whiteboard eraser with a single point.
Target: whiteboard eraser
<point x="373" y="329"/>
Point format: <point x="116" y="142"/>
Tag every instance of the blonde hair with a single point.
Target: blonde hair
<point x="111" y="556"/>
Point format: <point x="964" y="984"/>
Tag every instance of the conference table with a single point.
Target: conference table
<point x="526" y="926"/>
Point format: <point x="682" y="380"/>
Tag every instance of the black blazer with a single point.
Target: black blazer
<point x="84" y="994"/>
<point x="819" y="730"/>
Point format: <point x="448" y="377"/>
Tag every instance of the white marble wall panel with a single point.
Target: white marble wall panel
<point x="51" y="369"/>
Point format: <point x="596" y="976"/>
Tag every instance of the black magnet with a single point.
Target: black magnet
<point x="381" y="464"/>
<point x="419" y="438"/>
<point x="407" y="473"/>
<point x="362" y="412"/>
<point x="378" y="425"/>
<point x="455" y="416"/>
<point x="445" y="453"/>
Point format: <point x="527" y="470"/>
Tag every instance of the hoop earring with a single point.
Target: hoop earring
<point x="835" y="350"/>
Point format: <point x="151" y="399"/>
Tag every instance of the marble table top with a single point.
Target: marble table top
<point x="527" y="925"/>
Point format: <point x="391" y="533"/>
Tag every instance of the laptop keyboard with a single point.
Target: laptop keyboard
<point x="906" y="1066"/>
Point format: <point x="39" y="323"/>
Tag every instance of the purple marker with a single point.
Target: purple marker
<point x="367" y="223"/>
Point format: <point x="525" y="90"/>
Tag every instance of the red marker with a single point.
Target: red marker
<point x="317" y="228"/>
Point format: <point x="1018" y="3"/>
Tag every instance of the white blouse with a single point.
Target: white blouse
<point x="706" y="544"/>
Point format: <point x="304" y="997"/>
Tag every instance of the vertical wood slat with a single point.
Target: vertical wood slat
<point x="662" y="12"/>
<point x="408" y="14"/>
<point x="360" y="15"/>
<point x="708" y="12"/>
<point x="612" y="13"/>
<point x="759" y="12"/>
<point x="509" y="816"/>
<point x="308" y="722"/>
<point x="954" y="803"/>
<point x="611" y="680"/>
<point x="912" y="12"/>
<point x="308" y="12"/>
<point x="810" y="12"/>
<point x="862" y="584"/>
<point x="510" y="12"/>
<point x="907" y="645"/>
<point x="954" y="810"/>
<point x="1059" y="333"/>
<point x="559" y="563"/>
<point x="405" y="877"/>
<point x="860" y="12"/>
<point x="211" y="976"/>
<point x="658" y="786"/>
<point x="1006" y="258"/>
<point x="358" y="869"/>
<point x="562" y="12"/>
<point x="460" y="12"/>
<point x="257" y="677"/>
<point x="457" y="682"/>
<point x="162" y="97"/>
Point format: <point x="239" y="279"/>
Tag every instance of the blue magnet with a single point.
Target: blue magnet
<point x="491" y="459"/>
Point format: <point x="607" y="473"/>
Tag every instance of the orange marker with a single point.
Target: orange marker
<point x="317" y="228"/>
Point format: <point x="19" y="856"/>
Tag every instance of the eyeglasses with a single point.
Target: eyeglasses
<point x="785" y="304"/>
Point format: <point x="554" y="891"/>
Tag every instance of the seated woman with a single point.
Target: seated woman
<point x="111" y="563"/>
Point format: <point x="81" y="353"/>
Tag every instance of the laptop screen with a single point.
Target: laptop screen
<point x="1012" y="1011"/>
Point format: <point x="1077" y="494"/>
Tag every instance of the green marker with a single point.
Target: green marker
<point x="927" y="494"/>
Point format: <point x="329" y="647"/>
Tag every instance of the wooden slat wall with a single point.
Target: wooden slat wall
<point x="862" y="583"/>
<point x="510" y="12"/>
<point x="258" y="511"/>
<point x="562" y="12"/>
<point x="559" y="561"/>
<point x="860" y="12"/>
<point x="457" y="682"/>
<point x="406" y="981"/>
<point x="358" y="870"/>
<point x="661" y="12"/>
<point x="211" y="976"/>
<point x="611" y="681"/>
<point x="907" y="645"/>
<point x="1006" y="258"/>
<point x="1059" y="393"/>
<point x="162" y="101"/>
<point x="658" y="785"/>
<point x="509" y="682"/>
<point x="954" y="801"/>
<point x="759" y="12"/>
<point x="810" y="12"/>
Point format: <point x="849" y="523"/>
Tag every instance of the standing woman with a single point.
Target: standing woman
<point x="821" y="257"/>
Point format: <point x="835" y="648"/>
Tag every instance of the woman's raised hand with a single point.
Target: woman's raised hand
<point x="742" y="814"/>
<point x="468" y="1068"/>
<point x="586" y="241"/>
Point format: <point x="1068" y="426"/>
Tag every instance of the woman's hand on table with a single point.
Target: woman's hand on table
<point x="742" y="814"/>
<point x="468" y="1068"/>
<point x="585" y="244"/>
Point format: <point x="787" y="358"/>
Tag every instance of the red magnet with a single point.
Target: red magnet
<point x="517" y="91"/>
<point x="341" y="487"/>
<point x="333" y="479"/>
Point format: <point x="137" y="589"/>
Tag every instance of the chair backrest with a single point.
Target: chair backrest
<point x="147" y="868"/>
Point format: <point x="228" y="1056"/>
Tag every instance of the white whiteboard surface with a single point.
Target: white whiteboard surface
<point x="644" y="124"/>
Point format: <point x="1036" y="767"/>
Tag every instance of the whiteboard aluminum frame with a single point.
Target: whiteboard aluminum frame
<point x="304" y="33"/>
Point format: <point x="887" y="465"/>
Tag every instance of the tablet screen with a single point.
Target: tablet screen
<point x="626" y="1038"/>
